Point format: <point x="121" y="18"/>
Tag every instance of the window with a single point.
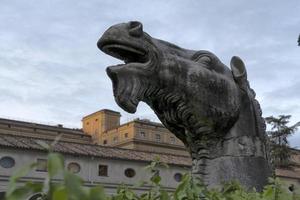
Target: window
<point x="291" y="187"/>
<point x="129" y="173"/>
<point x="74" y="167"/>
<point x="142" y="134"/>
<point x="157" y="138"/>
<point x="96" y="120"/>
<point x="104" y="141"/>
<point x="103" y="170"/>
<point x="126" y="135"/>
<point x="115" y="139"/>
<point x="7" y="162"/>
<point x="87" y="123"/>
<point x="41" y="165"/>
<point x="178" y="177"/>
<point x="172" y="140"/>
<point x="156" y="172"/>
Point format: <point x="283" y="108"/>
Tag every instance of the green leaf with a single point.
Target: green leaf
<point x="156" y="179"/>
<point x="60" y="194"/>
<point x="74" y="186"/>
<point x="55" y="164"/>
<point x="164" y="195"/>
<point x="97" y="193"/>
<point x="16" y="176"/>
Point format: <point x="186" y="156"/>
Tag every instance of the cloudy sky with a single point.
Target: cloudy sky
<point x="52" y="72"/>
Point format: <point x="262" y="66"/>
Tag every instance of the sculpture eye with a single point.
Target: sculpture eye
<point x="204" y="59"/>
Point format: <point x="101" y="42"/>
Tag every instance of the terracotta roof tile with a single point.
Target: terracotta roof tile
<point x="3" y="142"/>
<point x="91" y="150"/>
<point x="292" y="173"/>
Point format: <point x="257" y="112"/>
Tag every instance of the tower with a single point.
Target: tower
<point x="98" y="122"/>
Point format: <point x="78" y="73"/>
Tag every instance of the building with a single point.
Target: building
<point x="291" y="174"/>
<point x="105" y="129"/>
<point x="94" y="154"/>
<point x="22" y="143"/>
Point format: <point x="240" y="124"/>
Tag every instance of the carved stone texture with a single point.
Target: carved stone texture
<point x="209" y="107"/>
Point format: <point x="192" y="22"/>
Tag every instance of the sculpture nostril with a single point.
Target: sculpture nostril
<point x="134" y="24"/>
<point x="135" y="28"/>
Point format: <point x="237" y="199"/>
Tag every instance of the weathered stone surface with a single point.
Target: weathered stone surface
<point x="211" y="108"/>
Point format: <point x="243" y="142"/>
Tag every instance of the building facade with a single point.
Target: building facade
<point x="154" y="137"/>
<point x="22" y="143"/>
<point x="105" y="129"/>
<point x="291" y="174"/>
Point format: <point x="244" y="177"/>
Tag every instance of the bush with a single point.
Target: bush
<point x="71" y="188"/>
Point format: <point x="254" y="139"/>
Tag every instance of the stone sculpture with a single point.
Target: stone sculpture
<point x="209" y="107"/>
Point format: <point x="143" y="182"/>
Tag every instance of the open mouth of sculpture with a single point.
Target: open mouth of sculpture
<point x="127" y="53"/>
<point x="125" y="86"/>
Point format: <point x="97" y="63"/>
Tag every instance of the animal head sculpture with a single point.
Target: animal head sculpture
<point x="197" y="97"/>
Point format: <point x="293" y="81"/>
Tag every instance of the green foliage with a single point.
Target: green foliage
<point x="280" y="150"/>
<point x="71" y="187"/>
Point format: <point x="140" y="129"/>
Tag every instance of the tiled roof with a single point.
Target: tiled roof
<point x="28" y="129"/>
<point x="291" y="173"/>
<point x="29" y="143"/>
<point x="24" y="124"/>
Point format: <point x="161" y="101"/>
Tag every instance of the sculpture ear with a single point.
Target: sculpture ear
<point x="238" y="68"/>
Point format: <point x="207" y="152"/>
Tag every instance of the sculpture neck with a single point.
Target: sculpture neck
<point x="241" y="154"/>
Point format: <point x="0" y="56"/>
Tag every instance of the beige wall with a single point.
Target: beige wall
<point x="89" y="170"/>
<point x="92" y="125"/>
<point x="105" y="128"/>
<point x="151" y="132"/>
<point x="99" y="122"/>
<point x="143" y="137"/>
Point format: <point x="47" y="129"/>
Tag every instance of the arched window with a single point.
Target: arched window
<point x="178" y="177"/>
<point x="74" y="167"/>
<point x="7" y="162"/>
<point x="129" y="172"/>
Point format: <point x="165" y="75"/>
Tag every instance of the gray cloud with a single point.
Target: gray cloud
<point x="51" y="70"/>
